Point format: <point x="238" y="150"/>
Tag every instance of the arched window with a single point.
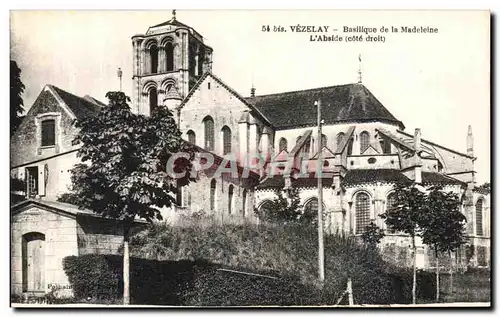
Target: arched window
<point x="362" y="212"/>
<point x="311" y="208"/>
<point x="230" y="194"/>
<point x="191" y="136"/>
<point x="153" y="100"/>
<point x="364" y="141"/>
<point x="338" y="140"/>
<point x="391" y="200"/>
<point x="479" y="217"/>
<point x="324" y="141"/>
<point x="266" y="206"/>
<point x="169" y="51"/>
<point x="209" y="133"/>
<point x="153" y="53"/>
<point x="226" y="140"/>
<point x="244" y="211"/>
<point x="283" y="145"/>
<point x="213" y="185"/>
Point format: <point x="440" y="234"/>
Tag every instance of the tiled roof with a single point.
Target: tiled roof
<point x="361" y="176"/>
<point x="437" y="178"/>
<point x="278" y="181"/>
<point x="345" y="103"/>
<point x="81" y="107"/>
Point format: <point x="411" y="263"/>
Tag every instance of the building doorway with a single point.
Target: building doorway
<point x="33" y="257"/>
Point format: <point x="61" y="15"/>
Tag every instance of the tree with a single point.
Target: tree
<point x="443" y="225"/>
<point x="16" y="101"/>
<point x="285" y="208"/>
<point x="486" y="186"/>
<point x="122" y="174"/>
<point x="372" y="234"/>
<point x="405" y="216"/>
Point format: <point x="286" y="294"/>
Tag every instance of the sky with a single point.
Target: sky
<point x="437" y="82"/>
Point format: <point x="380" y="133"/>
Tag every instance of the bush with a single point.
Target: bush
<point x="288" y="251"/>
<point x="93" y="276"/>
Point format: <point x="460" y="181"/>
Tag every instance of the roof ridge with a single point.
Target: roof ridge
<point x="302" y="90"/>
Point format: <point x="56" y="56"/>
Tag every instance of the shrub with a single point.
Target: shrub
<point x="288" y="251"/>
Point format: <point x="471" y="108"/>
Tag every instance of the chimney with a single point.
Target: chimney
<point x="417" y="140"/>
<point x="470" y="142"/>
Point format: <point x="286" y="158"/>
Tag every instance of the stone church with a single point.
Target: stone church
<point x="364" y="151"/>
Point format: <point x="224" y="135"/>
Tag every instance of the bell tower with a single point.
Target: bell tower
<point x="167" y="61"/>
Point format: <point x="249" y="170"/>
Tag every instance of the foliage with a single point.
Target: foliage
<point x="92" y="276"/>
<point x="372" y="234"/>
<point x="486" y="186"/>
<point x="16" y="101"/>
<point x="442" y="223"/>
<point x="288" y="251"/>
<point x="408" y="207"/>
<point x="286" y="208"/>
<point x="127" y="154"/>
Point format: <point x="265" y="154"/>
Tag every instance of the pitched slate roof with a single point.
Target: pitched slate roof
<point x="437" y="178"/>
<point x="344" y="103"/>
<point x="361" y="176"/>
<point x="81" y="107"/>
<point x="278" y="181"/>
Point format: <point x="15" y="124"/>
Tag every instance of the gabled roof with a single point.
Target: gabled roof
<point x="80" y="107"/>
<point x="340" y="104"/>
<point x="254" y="110"/>
<point x="173" y="22"/>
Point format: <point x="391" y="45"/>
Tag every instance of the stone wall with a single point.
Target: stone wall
<point x="60" y="241"/>
<point x="98" y="236"/>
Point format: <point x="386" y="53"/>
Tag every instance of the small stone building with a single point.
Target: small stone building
<point x="43" y="233"/>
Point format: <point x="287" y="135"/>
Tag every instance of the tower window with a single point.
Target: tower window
<point x="153" y="51"/>
<point x="48" y="132"/>
<point x="209" y="133"/>
<point x="191" y="137"/>
<point x="153" y="100"/>
<point x="226" y="140"/>
<point x="364" y="141"/>
<point x="169" y="51"/>
<point x="283" y="144"/>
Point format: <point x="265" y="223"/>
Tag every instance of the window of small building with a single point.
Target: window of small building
<point x="48" y="132"/>
<point x="213" y="185"/>
<point x="230" y="194"/>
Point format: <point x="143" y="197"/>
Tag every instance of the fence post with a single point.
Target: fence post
<point x="349" y="290"/>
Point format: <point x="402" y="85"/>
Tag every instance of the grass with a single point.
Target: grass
<point x="467" y="287"/>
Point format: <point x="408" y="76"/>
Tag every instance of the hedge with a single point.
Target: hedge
<point x="184" y="268"/>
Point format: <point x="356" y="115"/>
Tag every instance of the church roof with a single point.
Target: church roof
<point x="360" y="176"/>
<point x="80" y="107"/>
<point x="438" y="178"/>
<point x="344" y="103"/>
<point x="172" y="21"/>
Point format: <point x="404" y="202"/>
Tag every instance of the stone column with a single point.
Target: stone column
<point x="378" y="204"/>
<point x="252" y="140"/>
<point x="161" y="60"/>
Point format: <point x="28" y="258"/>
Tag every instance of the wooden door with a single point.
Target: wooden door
<point x="34" y="262"/>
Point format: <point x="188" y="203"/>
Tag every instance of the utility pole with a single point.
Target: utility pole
<point x="319" y="168"/>
<point x="120" y="73"/>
